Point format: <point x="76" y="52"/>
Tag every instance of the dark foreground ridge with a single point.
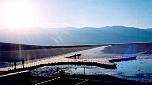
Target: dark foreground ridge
<point x="107" y="66"/>
<point x="25" y="78"/>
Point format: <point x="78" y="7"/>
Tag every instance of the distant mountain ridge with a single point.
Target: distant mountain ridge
<point x="78" y="36"/>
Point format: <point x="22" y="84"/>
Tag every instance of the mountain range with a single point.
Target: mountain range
<point x="77" y="36"/>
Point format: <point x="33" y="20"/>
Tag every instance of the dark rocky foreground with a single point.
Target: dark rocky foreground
<point x="24" y="78"/>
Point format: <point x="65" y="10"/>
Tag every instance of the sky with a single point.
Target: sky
<point x="75" y="13"/>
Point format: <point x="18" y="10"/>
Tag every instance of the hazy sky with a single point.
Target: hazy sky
<point x="75" y="13"/>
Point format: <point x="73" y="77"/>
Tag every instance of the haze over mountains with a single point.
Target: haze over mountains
<point x="75" y="36"/>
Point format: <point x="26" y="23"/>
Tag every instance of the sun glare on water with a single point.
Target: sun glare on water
<point x="18" y="14"/>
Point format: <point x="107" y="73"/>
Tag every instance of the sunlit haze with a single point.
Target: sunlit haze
<point x="17" y="14"/>
<point x="75" y="13"/>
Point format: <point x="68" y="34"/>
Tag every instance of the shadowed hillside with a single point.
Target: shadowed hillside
<point x="11" y="52"/>
<point x="131" y="48"/>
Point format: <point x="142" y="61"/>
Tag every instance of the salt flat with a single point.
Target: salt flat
<point x="62" y="58"/>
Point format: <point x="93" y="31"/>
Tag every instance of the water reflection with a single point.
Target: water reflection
<point x="70" y="70"/>
<point x="139" y="70"/>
